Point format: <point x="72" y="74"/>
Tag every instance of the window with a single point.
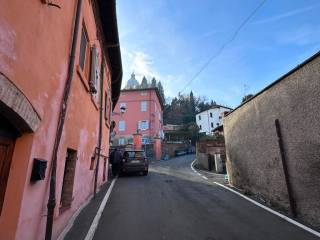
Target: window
<point x="211" y="115"/>
<point x="143" y="125"/>
<point x="199" y="117"/>
<point x="143" y="106"/>
<point x="107" y="107"/>
<point x="94" y="81"/>
<point x="200" y="127"/>
<point x="122" y="125"/>
<point x="68" y="180"/>
<point x="212" y="124"/>
<point x="121" y="141"/>
<point x="83" y="48"/>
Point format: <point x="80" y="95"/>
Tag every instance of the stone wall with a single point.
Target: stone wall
<point x="169" y="148"/>
<point x="253" y="156"/>
<point x="208" y="152"/>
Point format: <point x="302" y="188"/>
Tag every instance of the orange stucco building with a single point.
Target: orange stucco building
<point x="60" y="75"/>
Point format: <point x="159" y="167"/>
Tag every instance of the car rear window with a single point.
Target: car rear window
<point x="134" y="154"/>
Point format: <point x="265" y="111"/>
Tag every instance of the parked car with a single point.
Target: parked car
<point x="135" y="161"/>
<point x="180" y="152"/>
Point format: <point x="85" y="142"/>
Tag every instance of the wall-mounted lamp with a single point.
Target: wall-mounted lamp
<point x="123" y="109"/>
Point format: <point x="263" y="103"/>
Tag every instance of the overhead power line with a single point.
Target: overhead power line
<point x="220" y="50"/>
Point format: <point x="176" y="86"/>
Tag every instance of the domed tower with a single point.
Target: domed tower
<point x="132" y="82"/>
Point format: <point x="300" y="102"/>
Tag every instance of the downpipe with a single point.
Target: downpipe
<point x="63" y="110"/>
<point x="100" y="130"/>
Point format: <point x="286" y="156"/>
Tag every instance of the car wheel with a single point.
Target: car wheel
<point x="145" y="173"/>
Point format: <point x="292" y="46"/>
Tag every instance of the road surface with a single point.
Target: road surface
<point x="173" y="202"/>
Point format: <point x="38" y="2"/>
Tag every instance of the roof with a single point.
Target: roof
<point x="215" y="106"/>
<point x="147" y="89"/>
<point x="108" y="20"/>
<point x="317" y="54"/>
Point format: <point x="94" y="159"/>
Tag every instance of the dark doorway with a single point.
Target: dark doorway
<point x="8" y="135"/>
<point x="68" y="180"/>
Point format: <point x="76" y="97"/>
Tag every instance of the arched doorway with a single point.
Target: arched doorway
<point x="17" y="117"/>
<point x="8" y="135"/>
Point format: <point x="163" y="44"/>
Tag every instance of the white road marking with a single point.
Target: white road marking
<point x="96" y="219"/>
<point x="74" y="217"/>
<point x="272" y="211"/>
<point x="260" y="205"/>
<point x="192" y="168"/>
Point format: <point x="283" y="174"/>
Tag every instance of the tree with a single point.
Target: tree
<point x="144" y="83"/>
<point x="246" y="98"/>
<point x="192" y="104"/>
<point x="153" y="83"/>
<point x="161" y="91"/>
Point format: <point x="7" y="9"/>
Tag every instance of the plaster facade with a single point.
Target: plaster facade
<point x="253" y="155"/>
<point x="34" y="54"/>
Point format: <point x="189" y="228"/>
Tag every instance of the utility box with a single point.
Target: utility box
<point x="38" y="169"/>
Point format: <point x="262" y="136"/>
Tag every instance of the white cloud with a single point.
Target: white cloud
<point x="143" y="65"/>
<point x="138" y="62"/>
<point x="286" y="15"/>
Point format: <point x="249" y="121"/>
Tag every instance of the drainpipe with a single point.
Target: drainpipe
<point x="285" y="170"/>
<point x="63" y="110"/>
<point x="100" y="130"/>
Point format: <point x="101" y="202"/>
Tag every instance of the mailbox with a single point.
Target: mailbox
<point x="38" y="169"/>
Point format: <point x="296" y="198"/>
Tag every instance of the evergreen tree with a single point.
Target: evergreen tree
<point x="192" y="106"/>
<point x="153" y="83"/>
<point x="161" y="91"/>
<point x="144" y="83"/>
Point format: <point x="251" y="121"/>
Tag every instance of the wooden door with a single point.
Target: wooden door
<point x="6" y="150"/>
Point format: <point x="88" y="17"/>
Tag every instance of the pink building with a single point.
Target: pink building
<point x="60" y="75"/>
<point x="143" y="112"/>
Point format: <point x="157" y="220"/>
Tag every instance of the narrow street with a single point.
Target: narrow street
<point x="173" y="202"/>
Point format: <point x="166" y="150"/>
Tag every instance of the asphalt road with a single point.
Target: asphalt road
<point x="173" y="202"/>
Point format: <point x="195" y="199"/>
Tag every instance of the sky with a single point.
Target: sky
<point x="171" y="40"/>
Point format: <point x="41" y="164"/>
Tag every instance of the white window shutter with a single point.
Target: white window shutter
<point x="94" y="76"/>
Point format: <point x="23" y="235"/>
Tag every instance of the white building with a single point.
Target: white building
<point x="211" y="118"/>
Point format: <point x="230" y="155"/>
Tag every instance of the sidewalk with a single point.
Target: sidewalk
<point x="83" y="221"/>
<point x="212" y="176"/>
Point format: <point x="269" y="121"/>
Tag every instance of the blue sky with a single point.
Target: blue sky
<point x="172" y="39"/>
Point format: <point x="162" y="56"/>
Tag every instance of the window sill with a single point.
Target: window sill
<point x="64" y="208"/>
<point x="107" y="123"/>
<point x="94" y="103"/>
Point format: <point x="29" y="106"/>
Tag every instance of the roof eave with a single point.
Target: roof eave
<point x="108" y="16"/>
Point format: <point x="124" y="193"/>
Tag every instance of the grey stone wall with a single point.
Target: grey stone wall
<point x="253" y="156"/>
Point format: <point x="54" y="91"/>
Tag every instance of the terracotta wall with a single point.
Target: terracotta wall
<point x="34" y="54"/>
